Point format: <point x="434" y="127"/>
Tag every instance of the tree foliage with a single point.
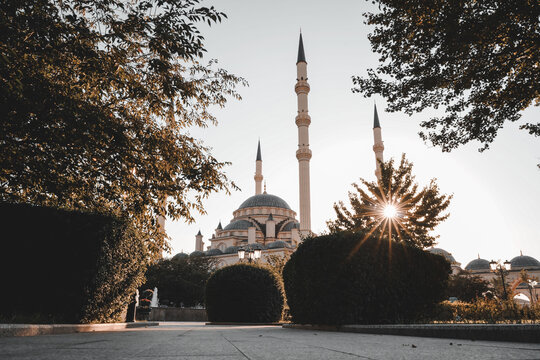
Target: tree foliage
<point x="478" y="60"/>
<point x="419" y="211"/>
<point x="97" y="97"/>
<point x="466" y="287"/>
<point x="180" y="280"/>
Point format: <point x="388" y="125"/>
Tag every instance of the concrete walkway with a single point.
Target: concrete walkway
<point x="197" y="341"/>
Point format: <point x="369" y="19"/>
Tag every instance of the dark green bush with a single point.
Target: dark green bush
<point x="334" y="280"/>
<point x="244" y="293"/>
<point x="67" y="266"/>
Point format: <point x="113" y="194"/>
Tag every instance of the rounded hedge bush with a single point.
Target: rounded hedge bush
<point x="344" y="279"/>
<point x="244" y="293"/>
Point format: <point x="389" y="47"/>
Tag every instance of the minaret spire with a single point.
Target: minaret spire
<point x="301" y="54"/>
<point x="303" y="154"/>
<point x="378" y="146"/>
<point x="258" y="171"/>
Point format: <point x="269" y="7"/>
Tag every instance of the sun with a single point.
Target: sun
<point x="390" y="211"/>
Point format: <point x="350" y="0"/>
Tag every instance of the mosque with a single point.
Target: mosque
<point x="266" y="223"/>
<point x="481" y="268"/>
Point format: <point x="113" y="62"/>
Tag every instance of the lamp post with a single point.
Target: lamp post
<point x="249" y="253"/>
<point x="501" y="268"/>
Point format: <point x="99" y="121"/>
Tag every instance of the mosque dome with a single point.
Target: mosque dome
<point x="290" y="226"/>
<point x="196" y="253"/>
<point x="278" y="244"/>
<point x="444" y="253"/>
<point x="255" y="246"/>
<point x="180" y="256"/>
<point x="524" y="262"/>
<point x="267" y="200"/>
<point x="239" y="225"/>
<point x="478" y="264"/>
<point x="231" y="250"/>
<point x="213" y="252"/>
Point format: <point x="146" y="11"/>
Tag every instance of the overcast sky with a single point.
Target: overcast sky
<point x="496" y="207"/>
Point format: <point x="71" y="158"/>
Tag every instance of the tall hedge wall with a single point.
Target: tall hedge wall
<point x="328" y="282"/>
<point x="70" y="267"/>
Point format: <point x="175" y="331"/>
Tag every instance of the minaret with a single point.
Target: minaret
<point x="199" y="245"/>
<point x="303" y="154"/>
<point x="378" y="146"/>
<point x="258" y="171"/>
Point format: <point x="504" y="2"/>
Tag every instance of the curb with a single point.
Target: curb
<point x="528" y="333"/>
<point x="33" y="329"/>
<point x="243" y="324"/>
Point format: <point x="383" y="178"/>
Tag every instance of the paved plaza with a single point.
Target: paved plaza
<point x="199" y="341"/>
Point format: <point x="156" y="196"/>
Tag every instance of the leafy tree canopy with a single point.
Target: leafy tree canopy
<point x="478" y="60"/>
<point x="417" y="211"/>
<point x="97" y="97"/>
<point x="180" y="280"/>
<point x="466" y="287"/>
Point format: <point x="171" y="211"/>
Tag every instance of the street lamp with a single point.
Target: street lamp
<point x="251" y="254"/>
<point x="497" y="267"/>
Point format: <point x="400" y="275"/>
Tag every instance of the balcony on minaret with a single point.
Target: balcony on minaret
<point x="303" y="153"/>
<point x="302" y="87"/>
<point x="303" y="119"/>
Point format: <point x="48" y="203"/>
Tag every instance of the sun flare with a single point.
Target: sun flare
<point x="390" y="211"/>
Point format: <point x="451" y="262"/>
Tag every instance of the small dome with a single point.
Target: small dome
<point x="239" y="225"/>
<point x="255" y="246"/>
<point x="213" y="252"/>
<point x="524" y="262"/>
<point x="180" y="256"/>
<point x="265" y="200"/>
<point x="442" y="252"/>
<point x="196" y="253"/>
<point x="478" y="264"/>
<point x="289" y="226"/>
<point x="231" y="250"/>
<point x="278" y="244"/>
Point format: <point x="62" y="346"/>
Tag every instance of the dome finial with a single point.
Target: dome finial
<point x="521" y="252"/>
<point x="479" y="255"/>
<point x="264" y="187"/>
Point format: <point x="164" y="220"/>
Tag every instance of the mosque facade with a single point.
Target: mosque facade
<point x="480" y="267"/>
<point x="267" y="223"/>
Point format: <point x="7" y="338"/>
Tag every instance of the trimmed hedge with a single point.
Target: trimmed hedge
<point x="485" y="311"/>
<point x="244" y="293"/>
<point x="67" y="267"/>
<point x="328" y="282"/>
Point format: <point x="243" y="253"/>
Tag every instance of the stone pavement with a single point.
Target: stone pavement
<point x="199" y="341"/>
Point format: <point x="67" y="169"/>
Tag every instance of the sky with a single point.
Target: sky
<point x="495" y="211"/>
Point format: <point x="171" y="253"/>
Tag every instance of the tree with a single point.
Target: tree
<point x="466" y="287"/>
<point x="415" y="212"/>
<point x="97" y="97"/>
<point x="180" y="280"/>
<point x="525" y="277"/>
<point x="478" y="60"/>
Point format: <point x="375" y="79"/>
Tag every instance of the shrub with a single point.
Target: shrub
<point x="244" y="293"/>
<point x="485" y="311"/>
<point x="66" y="266"/>
<point x="340" y="279"/>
